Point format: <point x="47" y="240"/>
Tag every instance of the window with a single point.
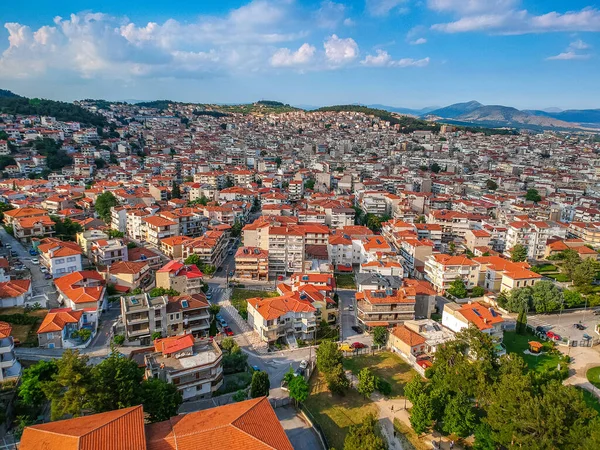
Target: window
<point x="59" y="261"/>
<point x="71" y="259"/>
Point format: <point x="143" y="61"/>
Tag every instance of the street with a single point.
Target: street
<point x="348" y="319"/>
<point x="562" y="323"/>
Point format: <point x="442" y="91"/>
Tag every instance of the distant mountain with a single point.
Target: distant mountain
<point x="507" y="116"/>
<point x="581" y="116"/>
<point x="8" y="94"/>
<point x="455" y="110"/>
<point x="401" y="110"/>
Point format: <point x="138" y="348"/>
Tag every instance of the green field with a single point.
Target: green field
<point x="517" y="343"/>
<point x="560" y="277"/>
<point x="335" y="413"/>
<point x="546" y="268"/>
<point x="590" y="399"/>
<point x="593" y="376"/>
<point x="387" y="366"/>
<point x="240" y="296"/>
<point x="345" y="281"/>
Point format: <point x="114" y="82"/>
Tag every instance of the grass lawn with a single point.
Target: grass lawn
<point x="590" y="399"/>
<point x="546" y="268"/>
<point x="24" y="332"/>
<point x="240" y="296"/>
<point x="234" y="382"/>
<point x="411" y="439"/>
<point x="560" y="277"/>
<point x="345" y="281"/>
<point x="334" y="413"/>
<point x="593" y="376"/>
<point x="517" y="343"/>
<point x="387" y="366"/>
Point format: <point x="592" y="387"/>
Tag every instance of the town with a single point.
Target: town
<point x="264" y="276"/>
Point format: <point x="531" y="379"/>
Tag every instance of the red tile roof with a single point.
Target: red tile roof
<point x="56" y="319"/>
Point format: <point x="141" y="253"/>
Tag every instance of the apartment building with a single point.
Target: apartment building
<point x="252" y="263"/>
<point x="156" y="228"/>
<point x="386" y="307"/>
<point x="288" y="317"/>
<point x="533" y="235"/>
<point x="87" y="238"/>
<point x="296" y="190"/>
<point x="183" y="278"/>
<point x="128" y="276"/>
<point x="497" y="274"/>
<point x="83" y="290"/>
<point x="134" y="223"/>
<point x="59" y="327"/>
<point x="173" y="246"/>
<point x="454" y="224"/>
<point x="589" y="232"/>
<point x="339" y="249"/>
<point x="193" y="366"/>
<point x="286" y="249"/>
<point x="441" y="270"/>
<point x="142" y="316"/>
<point x="477" y="238"/>
<point x="106" y="252"/>
<point x="27" y="228"/>
<point x="60" y="257"/>
<point x="10" y="368"/>
<point x="188" y="314"/>
<point x="211" y="247"/>
<point x="413" y="254"/>
<point x="12" y="216"/>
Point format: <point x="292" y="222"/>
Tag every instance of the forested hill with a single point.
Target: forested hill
<point x="4" y="93"/>
<point x="65" y="112"/>
<point x="407" y="123"/>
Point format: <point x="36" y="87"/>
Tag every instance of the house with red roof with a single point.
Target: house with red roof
<point x="14" y="292"/>
<point x="250" y="425"/>
<point x="457" y="317"/>
<point x="59" y="328"/>
<point x="385" y="307"/>
<point x="85" y="291"/>
<point x="442" y="269"/>
<point x="184" y="278"/>
<point x="60" y="257"/>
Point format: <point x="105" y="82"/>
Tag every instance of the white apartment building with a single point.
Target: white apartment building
<point x="441" y="270"/>
<point x="533" y="236"/>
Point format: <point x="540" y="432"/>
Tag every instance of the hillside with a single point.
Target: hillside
<point x="455" y="110"/>
<point x="582" y="116"/>
<point x="507" y="116"/>
<point x="65" y="112"/>
<point x="7" y="94"/>
<point x="400" y="110"/>
<point x="407" y="124"/>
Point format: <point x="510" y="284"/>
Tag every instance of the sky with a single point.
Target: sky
<point x="409" y="53"/>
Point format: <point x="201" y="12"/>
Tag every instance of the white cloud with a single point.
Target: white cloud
<point x="349" y="22"/>
<point x="572" y="52"/>
<point x="522" y="22"/>
<point x="383" y="59"/>
<point x="419" y="41"/>
<point x="471" y="6"/>
<point x="340" y="51"/>
<point x="567" y="56"/>
<point x="284" y="57"/>
<point x="330" y="14"/>
<point x="383" y="7"/>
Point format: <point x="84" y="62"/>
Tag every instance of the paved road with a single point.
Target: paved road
<point x="299" y="432"/>
<point x="563" y="323"/>
<point x="347" y="299"/>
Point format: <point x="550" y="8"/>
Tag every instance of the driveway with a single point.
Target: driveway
<point x="299" y="432"/>
<point x="349" y="319"/>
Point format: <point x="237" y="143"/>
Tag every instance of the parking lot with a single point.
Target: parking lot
<point x="564" y="324"/>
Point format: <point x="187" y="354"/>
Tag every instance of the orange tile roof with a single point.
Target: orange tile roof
<point x="127" y="267"/>
<point x="122" y="429"/>
<point x="480" y="316"/>
<point x="70" y="286"/>
<point x="14" y="288"/>
<point x="173" y="344"/>
<point x="273" y="308"/>
<point x="408" y="336"/>
<point x="248" y="425"/>
<point x="5" y="329"/>
<point x="56" y="319"/>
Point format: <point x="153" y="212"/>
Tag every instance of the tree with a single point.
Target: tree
<point x="240" y="396"/>
<point x="228" y="344"/>
<point x="175" y="191"/>
<point x="309" y="184"/>
<point x="115" y="234"/>
<point x="570" y="260"/>
<point x="156" y="335"/>
<point x="30" y="390"/>
<point x="193" y="259"/>
<point x="328" y="357"/>
<point x="547" y="297"/>
<point x="260" y="384"/>
<point x="236" y="229"/>
<point x="366" y="382"/>
<point x="533" y="195"/>
<point x="298" y="388"/>
<point x="70" y="388"/>
<point x="415" y="387"/>
<point x="457" y="289"/>
<point x="518" y="253"/>
<point x="477" y="291"/>
<point x="124" y="377"/>
<point x="119" y="339"/>
<point x="572" y="298"/>
<point x="435" y="167"/>
<point x="421" y="418"/>
<point x="214" y="309"/>
<point x="100" y="163"/>
<point x="161" y="400"/>
<point x="585" y="272"/>
<point x="103" y="204"/>
<point x="66" y="229"/>
<point x="520" y="299"/>
<point x="491" y="185"/>
<point x="459" y="416"/>
<point x="158" y="291"/>
<point x="337" y="382"/>
<point x="521" y="326"/>
<point x="365" y="436"/>
<point x="380" y="335"/>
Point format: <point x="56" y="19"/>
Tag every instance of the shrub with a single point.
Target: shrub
<point x="383" y="387"/>
<point x="119" y="339"/>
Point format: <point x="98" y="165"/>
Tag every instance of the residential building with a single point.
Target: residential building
<point x="105" y="252"/>
<point x="252" y="263"/>
<point x="14" y="293"/>
<point x="457" y="317"/>
<point x="441" y="270"/>
<point x="83" y="290"/>
<point x="156" y="228"/>
<point x="127" y="276"/>
<point x="184" y="278"/>
<point x="60" y="257"/>
<point x="27" y="228"/>
<point x="386" y="307"/>
<point x="87" y="238"/>
<point x="10" y="368"/>
<point x="60" y="326"/>
<point x="211" y="248"/>
<point x="188" y="314"/>
<point x="533" y="235"/>
<point x="144" y="316"/>
<point x="193" y="366"/>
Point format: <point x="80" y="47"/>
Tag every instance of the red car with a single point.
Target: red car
<point x="228" y="331"/>
<point x="357" y="345"/>
<point x="553" y="335"/>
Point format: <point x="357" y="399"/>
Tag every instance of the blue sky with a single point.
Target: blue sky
<point x="412" y="53"/>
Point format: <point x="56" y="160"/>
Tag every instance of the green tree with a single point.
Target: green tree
<point x="30" y="390"/>
<point x="100" y="163"/>
<point x="119" y="339"/>
<point x="570" y="260"/>
<point x="158" y="291"/>
<point x="161" y="400"/>
<point x="70" y="389"/>
<point x="415" y="387"/>
<point x="457" y="289"/>
<point x="193" y="259"/>
<point x="240" y="396"/>
<point x="380" y="335"/>
<point x="228" y="344"/>
<point x="175" y="191"/>
<point x="365" y="436"/>
<point x="214" y="309"/>
<point x="298" y="388"/>
<point x="459" y="416"/>
<point x="366" y="382"/>
<point x="520" y="299"/>
<point x="156" y="335"/>
<point x="521" y="326"/>
<point x="328" y="357"/>
<point x="309" y="184"/>
<point x="236" y="229"/>
<point x="546" y="297"/>
<point x="585" y="272"/>
<point x="103" y="204"/>
<point x="518" y="253"/>
<point x="260" y="385"/>
<point x="124" y="377"/>
<point x="421" y="418"/>
<point x="572" y="298"/>
<point x="337" y="382"/>
<point x="533" y="195"/>
<point x="491" y="185"/>
<point x="477" y="291"/>
<point x="115" y="234"/>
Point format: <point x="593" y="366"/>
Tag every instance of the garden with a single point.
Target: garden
<point x="24" y="322"/>
<point x="345" y="281"/>
<point x="548" y="360"/>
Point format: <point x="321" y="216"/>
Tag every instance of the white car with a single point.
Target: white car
<point x="35" y="261"/>
<point x="43" y="269"/>
<point x="303" y="364"/>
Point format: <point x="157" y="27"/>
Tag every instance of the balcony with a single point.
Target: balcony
<point x="136" y="318"/>
<point x="7" y="360"/>
<point x="6" y="344"/>
<point x="138" y="331"/>
<point x="200" y="315"/>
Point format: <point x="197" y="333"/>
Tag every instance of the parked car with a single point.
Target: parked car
<point x="579" y="326"/>
<point x="553" y="335"/>
<point x="231" y="272"/>
<point x="35" y="261"/>
<point x="219" y="317"/>
<point x="8" y="246"/>
<point x="350" y="307"/>
<point x="208" y="295"/>
<point x="540" y="329"/>
<point x="357" y="329"/>
<point x="303" y="364"/>
<point x="47" y="276"/>
<point x="43" y="269"/>
<point x="299" y="371"/>
<point x="228" y="331"/>
<point x="357" y="345"/>
<point x="597" y="312"/>
<point x="33" y="252"/>
<point x="230" y="252"/>
<point x="219" y="269"/>
<point x="13" y="254"/>
<point x="255" y="368"/>
<point x="223" y="323"/>
<point x="345" y="347"/>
